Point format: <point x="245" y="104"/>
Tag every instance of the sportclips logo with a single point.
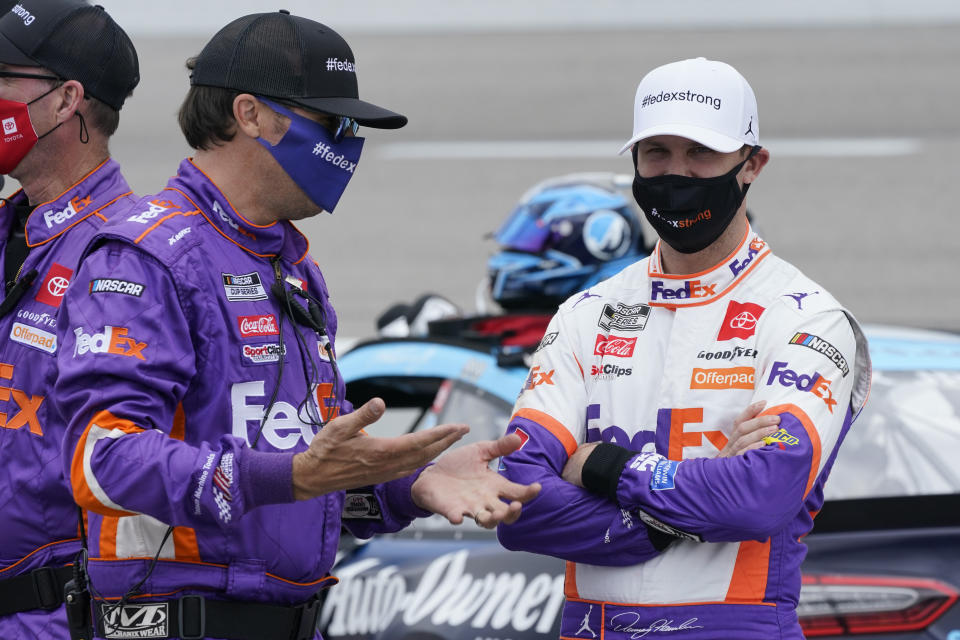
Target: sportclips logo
<point x="680" y="96"/>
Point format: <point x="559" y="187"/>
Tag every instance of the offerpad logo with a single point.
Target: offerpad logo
<point x="54" y="285"/>
<point x="614" y="346"/>
<point x="740" y="321"/>
<point x="728" y="378"/>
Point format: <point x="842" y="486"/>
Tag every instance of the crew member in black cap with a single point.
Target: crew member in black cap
<point x="217" y="455"/>
<point x="65" y="70"/>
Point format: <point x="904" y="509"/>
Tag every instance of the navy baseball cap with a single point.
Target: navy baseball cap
<point x="278" y="55"/>
<point x="74" y="40"/>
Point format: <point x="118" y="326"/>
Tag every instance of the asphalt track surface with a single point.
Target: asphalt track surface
<point x="861" y="192"/>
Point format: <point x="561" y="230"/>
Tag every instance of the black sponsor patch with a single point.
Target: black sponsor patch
<point x="624" y="317"/>
<point x="821" y="346"/>
<point x="547" y="340"/>
<point x="115" y="285"/>
<point x="361" y="506"/>
<point x="147" y="620"/>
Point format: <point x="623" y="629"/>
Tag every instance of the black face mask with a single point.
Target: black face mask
<point x="689" y="214"/>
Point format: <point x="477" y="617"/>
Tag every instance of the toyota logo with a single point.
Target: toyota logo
<point x="57" y="285"/>
<point x="743" y="320"/>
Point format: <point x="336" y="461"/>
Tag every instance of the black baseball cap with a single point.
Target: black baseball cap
<point x="74" y="40"/>
<point x="278" y="55"/>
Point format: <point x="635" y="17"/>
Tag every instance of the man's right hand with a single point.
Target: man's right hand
<point x="749" y="430"/>
<point x="341" y="457"/>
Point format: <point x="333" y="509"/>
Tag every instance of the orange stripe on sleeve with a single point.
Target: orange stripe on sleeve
<point x="108" y="537"/>
<point x="185" y="544"/>
<point x="570" y="581"/>
<point x="812" y="434"/>
<point x="559" y="431"/>
<point x="749" y="580"/>
<point x="82" y="493"/>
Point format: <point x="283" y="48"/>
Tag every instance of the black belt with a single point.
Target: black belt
<point x="195" y="618"/>
<point x="40" y="589"/>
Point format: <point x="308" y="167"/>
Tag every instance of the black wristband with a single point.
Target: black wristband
<point x="601" y="472"/>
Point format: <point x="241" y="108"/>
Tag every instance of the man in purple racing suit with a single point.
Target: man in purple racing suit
<point x="60" y="97"/>
<point x="638" y="381"/>
<point x="209" y="435"/>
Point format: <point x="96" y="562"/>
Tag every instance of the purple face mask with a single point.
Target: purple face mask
<point x="313" y="160"/>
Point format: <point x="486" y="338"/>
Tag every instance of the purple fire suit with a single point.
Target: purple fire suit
<point x="661" y="365"/>
<point x="39" y="516"/>
<point x="171" y="346"/>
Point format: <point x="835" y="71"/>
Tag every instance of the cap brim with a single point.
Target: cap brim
<point x="10" y="54"/>
<point x="706" y="137"/>
<point x="368" y="115"/>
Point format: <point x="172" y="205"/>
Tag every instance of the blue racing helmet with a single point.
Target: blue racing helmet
<point x="565" y="235"/>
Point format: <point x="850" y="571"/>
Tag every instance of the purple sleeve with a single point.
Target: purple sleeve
<point x="564" y="520"/>
<point x="125" y="362"/>
<point x="748" y="497"/>
<point x="394" y="506"/>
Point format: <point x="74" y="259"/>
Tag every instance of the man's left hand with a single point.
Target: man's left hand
<point x="461" y="483"/>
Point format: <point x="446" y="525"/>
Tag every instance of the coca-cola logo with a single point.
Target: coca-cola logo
<point x="614" y="346"/>
<point x="251" y="326"/>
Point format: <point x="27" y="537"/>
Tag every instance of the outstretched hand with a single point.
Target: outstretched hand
<point x="462" y="484"/>
<point x="341" y="457"/>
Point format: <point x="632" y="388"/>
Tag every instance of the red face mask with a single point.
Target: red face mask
<point x="18" y="135"/>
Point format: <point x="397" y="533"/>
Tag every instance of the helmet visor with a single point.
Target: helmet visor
<point x="525" y="229"/>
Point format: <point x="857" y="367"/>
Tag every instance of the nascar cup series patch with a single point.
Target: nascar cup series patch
<point x="246" y="286"/>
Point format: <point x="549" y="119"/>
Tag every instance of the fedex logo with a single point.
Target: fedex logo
<point x="283" y="428"/>
<point x="75" y="206"/>
<point x="690" y="289"/>
<point x="156" y="208"/>
<point x="27" y="405"/>
<point x="815" y="384"/>
<point x="538" y="377"/>
<point x="112" y="340"/>
<point x="756" y="246"/>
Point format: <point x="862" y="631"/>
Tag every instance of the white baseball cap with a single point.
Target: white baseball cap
<point x="699" y="99"/>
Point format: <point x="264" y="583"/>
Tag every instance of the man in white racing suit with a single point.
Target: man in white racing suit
<point x="638" y="382"/>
